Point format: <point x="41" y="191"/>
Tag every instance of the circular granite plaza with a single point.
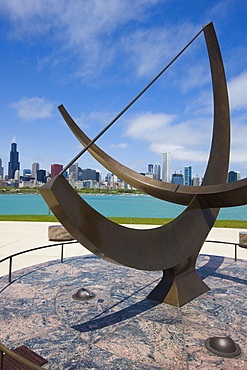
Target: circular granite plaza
<point x="120" y="328"/>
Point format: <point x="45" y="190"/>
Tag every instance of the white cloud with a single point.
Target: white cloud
<point x="238" y="92"/>
<point x="120" y="146"/>
<point x="89" y="36"/>
<point x="147" y="126"/>
<point x="30" y="109"/>
<point x="197" y="75"/>
<point x="181" y="153"/>
<point x="101" y="118"/>
<point x="238" y="141"/>
<point x="151" y="49"/>
<point x="189" y="140"/>
<point x="87" y="31"/>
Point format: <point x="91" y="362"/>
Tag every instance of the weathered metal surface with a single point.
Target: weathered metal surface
<point x="174" y="247"/>
<point x="222" y="195"/>
<point x="223" y="347"/>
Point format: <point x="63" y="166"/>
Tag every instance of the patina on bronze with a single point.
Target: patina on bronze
<point x="223" y="347"/>
<point x="174" y="247"/>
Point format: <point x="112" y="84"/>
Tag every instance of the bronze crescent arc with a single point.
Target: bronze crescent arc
<point x="220" y="195"/>
<point x="166" y="246"/>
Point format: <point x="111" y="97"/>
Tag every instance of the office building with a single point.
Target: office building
<point x="196" y="181"/>
<point x="35" y="168"/>
<point x="1" y="170"/>
<point x="88" y="174"/>
<point x="56" y="169"/>
<point x="73" y="171"/>
<point x="166" y="167"/>
<point x="26" y="171"/>
<point x="41" y="176"/>
<point x="14" y="163"/>
<point x="17" y="176"/>
<point x="157" y="171"/>
<point x="234" y="176"/>
<point x="188" y="175"/>
<point x="177" y="178"/>
<point x="26" y="175"/>
<point x="150" y="168"/>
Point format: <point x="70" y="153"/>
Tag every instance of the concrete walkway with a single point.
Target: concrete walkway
<point x="19" y="236"/>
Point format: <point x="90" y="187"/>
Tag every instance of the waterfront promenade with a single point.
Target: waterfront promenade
<point x="18" y="236"/>
<point x="120" y="328"/>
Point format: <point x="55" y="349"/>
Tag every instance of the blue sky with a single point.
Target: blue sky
<point x="95" y="56"/>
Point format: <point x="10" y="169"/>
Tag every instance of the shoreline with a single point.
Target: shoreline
<point x="234" y="224"/>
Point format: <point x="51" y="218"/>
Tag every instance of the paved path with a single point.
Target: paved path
<point x="18" y="236"/>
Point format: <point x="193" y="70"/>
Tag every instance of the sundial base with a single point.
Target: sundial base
<point x="179" y="285"/>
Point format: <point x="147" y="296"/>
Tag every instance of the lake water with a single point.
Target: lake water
<point x="110" y="206"/>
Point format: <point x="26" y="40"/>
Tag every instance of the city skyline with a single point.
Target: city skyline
<point x="96" y="65"/>
<point x="159" y="172"/>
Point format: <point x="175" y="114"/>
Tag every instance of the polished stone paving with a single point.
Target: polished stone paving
<point x="120" y="328"/>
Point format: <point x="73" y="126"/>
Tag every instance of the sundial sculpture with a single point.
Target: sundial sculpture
<point x="173" y="247"/>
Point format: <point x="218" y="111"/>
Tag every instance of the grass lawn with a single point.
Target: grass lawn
<point x="122" y="220"/>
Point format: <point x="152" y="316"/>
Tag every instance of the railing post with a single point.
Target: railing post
<point x="235" y="258"/>
<point x="61" y="252"/>
<point x="10" y="268"/>
<point x="1" y="360"/>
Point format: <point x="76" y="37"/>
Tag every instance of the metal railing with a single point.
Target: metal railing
<point x="230" y="243"/>
<point x="10" y="258"/>
<point x="18" y="358"/>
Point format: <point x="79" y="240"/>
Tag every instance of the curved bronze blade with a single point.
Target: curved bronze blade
<point x="216" y="172"/>
<point x="221" y="195"/>
<point x="155" y="249"/>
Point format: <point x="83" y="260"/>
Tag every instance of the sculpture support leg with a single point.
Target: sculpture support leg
<point x="180" y="284"/>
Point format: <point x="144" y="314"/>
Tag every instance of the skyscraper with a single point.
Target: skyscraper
<point x="41" y="176"/>
<point x="150" y="168"/>
<point x="157" y="171"/>
<point x="1" y="169"/>
<point x="177" y="178"/>
<point x="14" y="163"/>
<point x="55" y="169"/>
<point x="196" y="180"/>
<point x="26" y="171"/>
<point x="17" y="176"/>
<point x="234" y="176"/>
<point x="166" y="167"/>
<point x="35" y="168"/>
<point x="88" y="174"/>
<point x="73" y="171"/>
<point x="188" y="175"/>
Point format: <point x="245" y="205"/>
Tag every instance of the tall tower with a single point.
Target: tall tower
<point x="17" y="176"/>
<point x="188" y="175"/>
<point x="14" y="163"/>
<point x="41" y="176"/>
<point x="150" y="168"/>
<point x="1" y="170"/>
<point x="196" y="180"/>
<point x="73" y="171"/>
<point x="157" y="171"/>
<point x="166" y="167"/>
<point x="35" y="168"/>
